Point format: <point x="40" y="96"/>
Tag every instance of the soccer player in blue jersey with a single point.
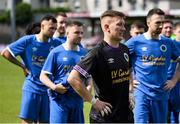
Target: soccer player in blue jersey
<point x="66" y="106"/>
<point x="151" y="55"/>
<point x="33" y="50"/>
<point x="137" y="28"/>
<point x="109" y="65"/>
<point x="174" y="98"/>
<point x="61" y="18"/>
<point x="167" y="28"/>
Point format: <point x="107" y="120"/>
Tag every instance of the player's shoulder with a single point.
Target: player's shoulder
<point x="123" y="46"/>
<point x="82" y="49"/>
<point x="177" y="42"/>
<point x="57" y="49"/>
<point x="98" y="48"/>
<point x="135" y="39"/>
<point x="56" y="41"/>
<point x="27" y="39"/>
<point x="166" y="39"/>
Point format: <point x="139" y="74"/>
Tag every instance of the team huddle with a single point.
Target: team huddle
<point x="60" y="73"/>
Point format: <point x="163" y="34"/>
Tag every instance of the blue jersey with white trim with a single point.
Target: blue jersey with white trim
<point x="33" y="54"/>
<point x="174" y="97"/>
<point x="150" y="61"/>
<point x="60" y="62"/>
<point x="173" y="64"/>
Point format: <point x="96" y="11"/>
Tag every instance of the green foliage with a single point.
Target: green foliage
<point x="5" y="17"/>
<point x="23" y="13"/>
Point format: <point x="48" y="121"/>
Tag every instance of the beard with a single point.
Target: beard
<point x="76" y="43"/>
<point x="157" y="31"/>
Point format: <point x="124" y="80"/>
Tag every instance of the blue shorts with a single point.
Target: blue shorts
<point x="66" y="110"/>
<point x="34" y="107"/>
<point x="149" y="111"/>
<point x="174" y="98"/>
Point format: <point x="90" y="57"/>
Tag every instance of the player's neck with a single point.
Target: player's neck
<point x="152" y="35"/>
<point x="57" y="34"/>
<point x="111" y="42"/>
<point x="69" y="46"/>
<point x="42" y="38"/>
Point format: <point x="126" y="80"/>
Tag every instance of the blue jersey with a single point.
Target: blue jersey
<point x="61" y="39"/>
<point x="150" y="61"/>
<point x="173" y="64"/>
<point x="175" y="92"/>
<point x="33" y="54"/>
<point x="60" y="62"/>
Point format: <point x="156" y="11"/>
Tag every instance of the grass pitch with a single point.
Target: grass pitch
<point x="11" y="81"/>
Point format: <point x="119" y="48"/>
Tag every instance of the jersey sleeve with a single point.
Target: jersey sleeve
<point x="87" y="64"/>
<point x="175" y="50"/>
<point x="49" y="64"/>
<point x="130" y="44"/>
<point x="18" y="47"/>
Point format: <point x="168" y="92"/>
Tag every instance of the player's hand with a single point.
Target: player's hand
<point x="135" y="83"/>
<point x="103" y="107"/>
<point x="169" y="84"/>
<point x="60" y="88"/>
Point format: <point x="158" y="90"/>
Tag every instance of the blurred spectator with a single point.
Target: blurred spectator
<point x="33" y="28"/>
<point x="137" y="28"/>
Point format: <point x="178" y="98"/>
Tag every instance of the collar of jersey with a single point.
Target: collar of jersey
<point x="147" y="37"/>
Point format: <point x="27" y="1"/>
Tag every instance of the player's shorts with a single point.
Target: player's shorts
<point x="66" y="110"/>
<point x="174" y="98"/>
<point x="149" y="111"/>
<point x="34" y="107"/>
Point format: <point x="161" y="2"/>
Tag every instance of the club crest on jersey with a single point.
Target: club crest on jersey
<point x="110" y="60"/>
<point x="163" y="48"/>
<point x="126" y="57"/>
<point x="34" y="49"/>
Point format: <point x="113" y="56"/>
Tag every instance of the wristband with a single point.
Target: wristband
<point x="93" y="100"/>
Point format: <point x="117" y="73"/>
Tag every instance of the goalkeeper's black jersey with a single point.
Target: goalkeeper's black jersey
<point x="110" y="69"/>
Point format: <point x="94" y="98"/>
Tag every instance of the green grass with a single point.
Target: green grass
<point x="11" y="81"/>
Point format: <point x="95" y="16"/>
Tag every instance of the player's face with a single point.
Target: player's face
<point x="116" y="28"/>
<point x="75" y="34"/>
<point x="167" y="29"/>
<point x="48" y="28"/>
<point x="136" y="31"/>
<point x="155" y="23"/>
<point x="177" y="33"/>
<point x="61" y="24"/>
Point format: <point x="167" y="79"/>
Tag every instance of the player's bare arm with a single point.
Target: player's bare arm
<point x="90" y="84"/>
<point x="55" y="87"/>
<point x="131" y="83"/>
<point x="7" y="55"/>
<point x="171" y="83"/>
